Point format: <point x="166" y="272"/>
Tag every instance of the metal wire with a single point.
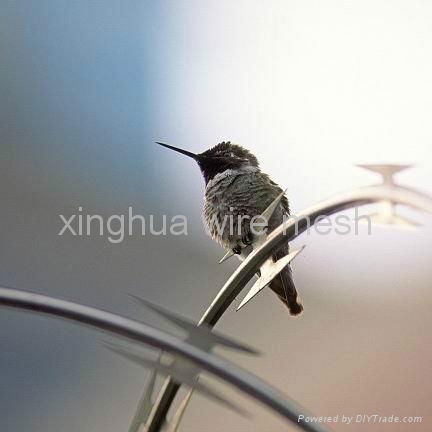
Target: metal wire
<point x="134" y="330"/>
<point x="287" y="231"/>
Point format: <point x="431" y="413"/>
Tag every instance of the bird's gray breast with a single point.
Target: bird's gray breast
<point x="232" y="199"/>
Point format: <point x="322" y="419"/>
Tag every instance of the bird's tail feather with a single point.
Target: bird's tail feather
<point x="283" y="286"/>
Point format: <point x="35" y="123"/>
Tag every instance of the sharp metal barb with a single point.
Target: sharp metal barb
<point x="187" y="374"/>
<point x="269" y="271"/>
<point x="145" y="405"/>
<point x="387" y="171"/>
<point x="268" y="212"/>
<point x="201" y="336"/>
<point x="387" y="212"/>
<point x="387" y="216"/>
<point x="227" y="256"/>
<point x="184" y="375"/>
<point x="394" y="220"/>
<point x="178" y="416"/>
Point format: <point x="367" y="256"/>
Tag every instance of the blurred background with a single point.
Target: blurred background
<point x="312" y="88"/>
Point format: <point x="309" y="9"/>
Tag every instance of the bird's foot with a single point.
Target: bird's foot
<point x="237" y="250"/>
<point x="247" y="239"/>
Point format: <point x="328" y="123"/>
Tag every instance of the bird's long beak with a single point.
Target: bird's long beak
<point x="179" y="150"/>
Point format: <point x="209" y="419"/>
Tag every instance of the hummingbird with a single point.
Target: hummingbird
<point x="236" y="189"/>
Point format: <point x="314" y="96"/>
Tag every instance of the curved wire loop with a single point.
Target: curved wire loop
<point x="290" y="229"/>
<point x="139" y="332"/>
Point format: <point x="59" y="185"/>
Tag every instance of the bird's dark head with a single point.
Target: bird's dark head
<point x="221" y="157"/>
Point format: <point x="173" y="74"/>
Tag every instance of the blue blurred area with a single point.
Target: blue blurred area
<point x="80" y="91"/>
